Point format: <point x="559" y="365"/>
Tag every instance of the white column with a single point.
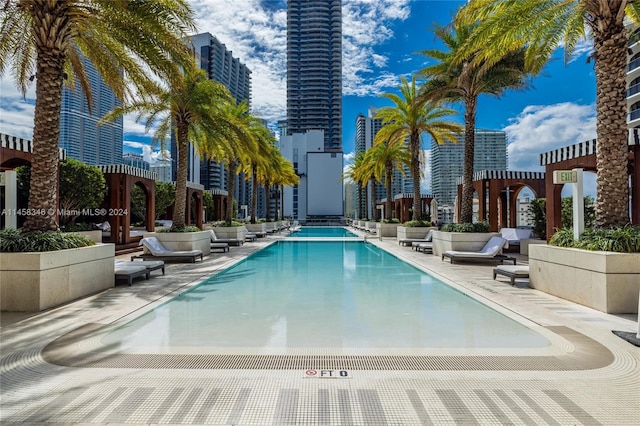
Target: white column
<point x="578" y="205"/>
<point x="10" y="182"/>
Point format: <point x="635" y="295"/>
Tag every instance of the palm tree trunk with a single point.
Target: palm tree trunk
<point x="233" y="166"/>
<point x="43" y="193"/>
<point x="52" y="41"/>
<point x="278" y="202"/>
<point x="267" y="194"/>
<point x="612" y="205"/>
<point x="414" y="144"/>
<point x="466" y="214"/>
<point x="254" y="194"/>
<point x="179" y="207"/>
<point x="388" y="181"/>
<point x="362" y="201"/>
<point x="374" y="198"/>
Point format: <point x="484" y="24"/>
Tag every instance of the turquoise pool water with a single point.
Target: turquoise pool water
<point x="336" y="294"/>
<point x="321" y="231"/>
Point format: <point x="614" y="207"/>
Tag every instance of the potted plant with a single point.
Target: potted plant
<point x="600" y="270"/>
<point x="234" y="229"/>
<point x="184" y="238"/>
<point x="45" y="269"/>
<point x="462" y="237"/>
<point x="387" y="228"/>
<point x="414" y="230"/>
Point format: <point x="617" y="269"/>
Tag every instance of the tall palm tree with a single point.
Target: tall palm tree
<point x="409" y="118"/>
<point x="285" y="176"/>
<point x="464" y="81"/>
<point x="542" y="26"/>
<point x="384" y="158"/>
<point x="190" y="108"/>
<point x="366" y="174"/>
<point x="258" y="161"/>
<point x="352" y="174"/>
<point x="239" y="147"/>
<point x="47" y="39"/>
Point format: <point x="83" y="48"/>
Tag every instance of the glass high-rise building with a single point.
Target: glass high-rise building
<point x="80" y="135"/>
<point x="447" y="161"/>
<point x="314" y="69"/>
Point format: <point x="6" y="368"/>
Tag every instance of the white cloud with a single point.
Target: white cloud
<point x="16" y="113"/>
<point x="542" y="128"/>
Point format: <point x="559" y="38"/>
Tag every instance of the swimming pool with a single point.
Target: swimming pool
<point x="322" y="231"/>
<point x="339" y="295"/>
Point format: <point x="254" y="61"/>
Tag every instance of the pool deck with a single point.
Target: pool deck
<point x="590" y="376"/>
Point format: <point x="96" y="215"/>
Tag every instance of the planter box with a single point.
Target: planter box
<point x="606" y="281"/>
<point x="461" y="241"/>
<point x="185" y="240"/>
<point x="95" y="236"/>
<point x="412" y="233"/>
<point x="526" y="242"/>
<point x="270" y="227"/>
<point x="237" y="232"/>
<point x="256" y="227"/>
<point x="387" y="229"/>
<point x="371" y="226"/>
<point x="31" y="282"/>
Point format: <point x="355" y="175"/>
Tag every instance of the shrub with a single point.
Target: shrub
<point x="222" y="223"/>
<point x="466" y="227"/>
<point x="187" y="228"/>
<point x="620" y="240"/>
<point x="76" y="227"/>
<point x="394" y="220"/>
<point x="416" y="223"/>
<point x="14" y="241"/>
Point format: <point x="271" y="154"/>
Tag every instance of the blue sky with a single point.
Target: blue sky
<point x="381" y="39"/>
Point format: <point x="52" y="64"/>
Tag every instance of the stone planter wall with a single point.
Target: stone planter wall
<point x="526" y="242"/>
<point x="185" y="240"/>
<point x="371" y="226"/>
<point x="237" y="232"/>
<point x="606" y="281"/>
<point x="461" y="241"/>
<point x="255" y="227"/>
<point x="413" y="233"/>
<point x="95" y="236"/>
<point x="31" y="282"/>
<point x="387" y="229"/>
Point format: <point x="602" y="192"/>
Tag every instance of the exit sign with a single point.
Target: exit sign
<point x="565" y="176"/>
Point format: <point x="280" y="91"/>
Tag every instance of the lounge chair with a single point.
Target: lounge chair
<point x="151" y="265"/>
<point x="250" y="236"/>
<point x="129" y="272"/>
<point x="157" y="251"/>
<point x="409" y="241"/>
<point x="512" y="272"/>
<point x="423" y="247"/>
<point x="490" y="252"/>
<point x="230" y="241"/>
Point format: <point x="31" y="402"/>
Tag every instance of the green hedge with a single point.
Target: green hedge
<point x="619" y="240"/>
<point x="466" y="227"/>
<point x="417" y="223"/>
<point x="14" y="241"/>
<point x="187" y="228"/>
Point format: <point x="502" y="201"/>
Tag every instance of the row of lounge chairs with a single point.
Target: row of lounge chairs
<point x="491" y="252"/>
<point x="155" y="254"/>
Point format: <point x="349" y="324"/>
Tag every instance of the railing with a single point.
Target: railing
<point x="634" y="64"/>
<point x="633" y="90"/>
<point x="633" y="115"/>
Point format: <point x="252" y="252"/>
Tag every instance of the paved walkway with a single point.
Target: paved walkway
<point x="589" y="376"/>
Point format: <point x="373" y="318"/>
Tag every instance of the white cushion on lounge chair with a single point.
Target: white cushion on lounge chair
<point x="157" y="249"/>
<point x="490" y="249"/>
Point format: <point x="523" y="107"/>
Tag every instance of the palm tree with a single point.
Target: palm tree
<point x="239" y="146"/>
<point x="47" y="39"/>
<point x="285" y="176"/>
<point x="352" y="174"/>
<point x="384" y="158"/>
<point x="409" y="118"/>
<point x="541" y="26"/>
<point x="258" y="161"/>
<point x="191" y="108"/>
<point x="464" y="81"/>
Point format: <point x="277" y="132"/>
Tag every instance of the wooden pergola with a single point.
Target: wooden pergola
<point x="121" y="178"/>
<point x="403" y="203"/>
<point x="497" y="194"/>
<point x="583" y="155"/>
